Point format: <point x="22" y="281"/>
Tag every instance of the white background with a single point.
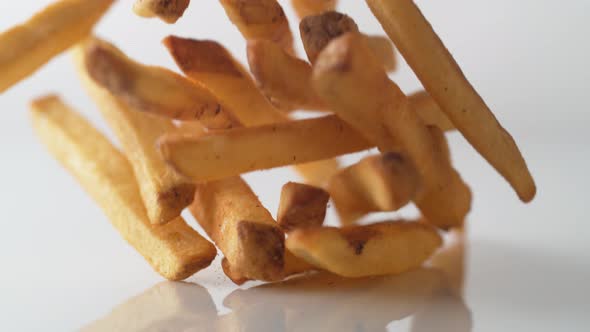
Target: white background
<point x="63" y="266"/>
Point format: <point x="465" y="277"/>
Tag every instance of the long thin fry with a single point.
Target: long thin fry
<point x="210" y="64"/>
<point x="27" y="47"/>
<point x="260" y="19"/>
<point x="446" y="83"/>
<point x="359" y="251"/>
<point x="168" y="11"/>
<point x="349" y="78"/>
<point x="174" y="250"/>
<point x="164" y="192"/>
<point x="154" y="90"/>
<point x="221" y="154"/>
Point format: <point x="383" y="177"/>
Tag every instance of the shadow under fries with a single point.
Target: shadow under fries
<point x="431" y="296"/>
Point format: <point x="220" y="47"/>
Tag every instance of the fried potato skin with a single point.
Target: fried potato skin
<point x="443" y="79"/>
<point x="27" y="47"/>
<point x="168" y="11"/>
<point x="360" y="251"/>
<point x="165" y="193"/>
<point x="174" y="250"/>
<point x="349" y="78"/>
<point x="301" y="206"/>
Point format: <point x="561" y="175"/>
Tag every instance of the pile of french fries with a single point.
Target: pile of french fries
<point x="186" y="139"/>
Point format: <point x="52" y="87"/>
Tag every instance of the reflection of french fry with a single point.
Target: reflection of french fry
<point x="446" y="83"/>
<point x="168" y="306"/>
<point x="175" y="250"/>
<point x="451" y="259"/>
<point x="165" y="193"/>
<point x="229" y="81"/>
<point x="29" y="46"/>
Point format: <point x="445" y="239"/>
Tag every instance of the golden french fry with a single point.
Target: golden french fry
<point x="446" y="83"/>
<point x="222" y="154"/>
<point x="317" y="31"/>
<point x="154" y="90"/>
<point x="361" y="251"/>
<point x="168" y="11"/>
<point x="283" y="78"/>
<point x="210" y="64"/>
<point x="301" y="206"/>
<point x="428" y="110"/>
<point x="174" y="250"/>
<point x="260" y="19"/>
<point x="377" y="183"/>
<point x="305" y="8"/>
<point x="164" y="192"/>
<point x="27" y="47"/>
<point x="242" y="228"/>
<point x="348" y="77"/>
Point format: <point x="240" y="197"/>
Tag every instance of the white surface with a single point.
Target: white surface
<point x="63" y="266"/>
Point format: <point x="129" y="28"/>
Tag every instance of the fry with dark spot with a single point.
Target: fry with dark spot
<point x="168" y="11"/>
<point x="361" y="251"/>
<point x="301" y="206"/>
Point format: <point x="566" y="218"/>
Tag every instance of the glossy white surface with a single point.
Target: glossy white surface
<point x="527" y="266"/>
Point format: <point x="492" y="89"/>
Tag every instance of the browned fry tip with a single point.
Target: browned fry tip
<point x="301" y="206"/>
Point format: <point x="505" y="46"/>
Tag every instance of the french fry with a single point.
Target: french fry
<point x="377" y="183"/>
<point x="301" y="206"/>
<point x="305" y="8"/>
<point x="164" y="192"/>
<point x="260" y="19"/>
<point x="27" y="47"/>
<point x="168" y="11"/>
<point x="242" y="228"/>
<point x="428" y="110"/>
<point x="154" y="90"/>
<point x="317" y="31"/>
<point x="210" y="64"/>
<point x="221" y="154"/>
<point x="348" y="77"/>
<point x="360" y="251"/>
<point x="174" y="250"/>
<point x="284" y="79"/>
<point x="446" y="83"/>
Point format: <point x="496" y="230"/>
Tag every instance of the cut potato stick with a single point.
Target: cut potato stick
<point x="27" y="47"/>
<point x="283" y="78"/>
<point x="165" y="193"/>
<point x="221" y="154"/>
<point x="361" y="251"/>
<point x="210" y="64"/>
<point x="242" y="228"/>
<point x="348" y="77"/>
<point x="377" y="183"/>
<point x="174" y="250"/>
<point x="260" y="19"/>
<point x="305" y="8"/>
<point x="154" y="90"/>
<point x="428" y="110"/>
<point x="168" y="11"/>
<point x="446" y="83"/>
<point x="301" y="206"/>
<point x="383" y="49"/>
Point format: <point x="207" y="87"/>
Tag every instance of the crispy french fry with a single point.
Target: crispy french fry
<point x="210" y="64"/>
<point x="428" y="110"/>
<point x="221" y="154"/>
<point x="168" y="11"/>
<point x="317" y="31"/>
<point x="446" y="83"/>
<point x="154" y="90"/>
<point x="27" y="47"/>
<point x="360" y="251"/>
<point x="284" y="79"/>
<point x="174" y="250"/>
<point x="164" y="192"/>
<point x="301" y="206"/>
<point x="377" y="183"/>
<point x="260" y="19"/>
<point x="305" y="8"/>
<point x="348" y="77"/>
<point x="242" y="228"/>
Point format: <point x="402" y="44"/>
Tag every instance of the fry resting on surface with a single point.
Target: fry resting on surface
<point x="174" y="250"/>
